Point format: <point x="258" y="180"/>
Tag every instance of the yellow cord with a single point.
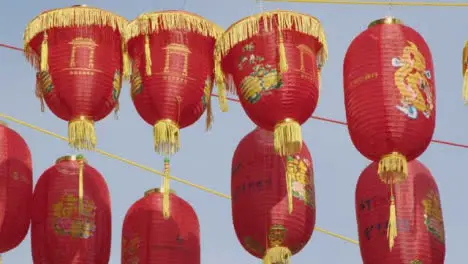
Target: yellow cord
<point x="383" y="3"/>
<point x="143" y="167"/>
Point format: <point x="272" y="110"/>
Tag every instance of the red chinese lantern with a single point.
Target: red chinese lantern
<point x="389" y="92"/>
<point x="272" y="60"/>
<point x="148" y="237"/>
<point x="421" y="236"/>
<point x="71" y="218"/>
<point x="172" y="74"/>
<point x="16" y="185"/>
<point x="78" y="54"/>
<point x="265" y="187"/>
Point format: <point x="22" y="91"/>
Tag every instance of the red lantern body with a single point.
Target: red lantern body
<point x="419" y="218"/>
<point x="16" y="184"/>
<point x="260" y="196"/>
<point x="149" y="238"/>
<point x="389" y="91"/>
<point x="275" y="69"/>
<point x="80" y="64"/>
<point x="172" y="76"/>
<point x="60" y="233"/>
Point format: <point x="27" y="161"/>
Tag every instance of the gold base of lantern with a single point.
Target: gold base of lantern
<point x="81" y="134"/>
<point x="166" y="137"/>
<point x="277" y="255"/>
<point x="287" y="137"/>
<point x="393" y="168"/>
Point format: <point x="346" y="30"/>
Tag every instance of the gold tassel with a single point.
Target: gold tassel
<point x="289" y="175"/>
<point x="166" y="137"/>
<point x="1" y="259"/>
<point x="44" y="53"/>
<point x="465" y="86"/>
<point x="125" y="62"/>
<point x="220" y="83"/>
<point x="287" y="137"/>
<point x="209" y="111"/>
<point x="166" y="189"/>
<point x="148" y="62"/>
<point x="393" y="168"/>
<point x="80" y="187"/>
<point x="81" y="134"/>
<point x="277" y="255"/>
<point x="283" y="62"/>
<point x="392" y="230"/>
<point x="39" y="89"/>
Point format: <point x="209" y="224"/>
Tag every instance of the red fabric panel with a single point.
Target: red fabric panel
<point x="16" y="185"/>
<point x="259" y="195"/>
<point x="420" y="224"/>
<point x="55" y="234"/>
<point x="150" y="239"/>
<point x="383" y="78"/>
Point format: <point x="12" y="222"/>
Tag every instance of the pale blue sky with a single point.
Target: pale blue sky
<point x="205" y="158"/>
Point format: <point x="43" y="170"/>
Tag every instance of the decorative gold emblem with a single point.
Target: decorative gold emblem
<point x="83" y="47"/>
<point x="305" y="50"/>
<point x="174" y="71"/>
<point x="299" y="169"/>
<point x="67" y="220"/>
<point x="136" y="83"/>
<point x="19" y="177"/>
<point x="412" y="80"/>
<point x="131" y="248"/>
<point x="276" y="235"/>
<point x="433" y="216"/>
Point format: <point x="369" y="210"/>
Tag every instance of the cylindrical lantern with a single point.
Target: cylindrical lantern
<point x="389" y="92"/>
<point x="172" y="73"/>
<point x="272" y="61"/>
<point x="71" y="219"/>
<point x="148" y="237"/>
<point x="79" y="55"/>
<point x="16" y="185"/>
<point x="421" y="237"/>
<point x="261" y="181"/>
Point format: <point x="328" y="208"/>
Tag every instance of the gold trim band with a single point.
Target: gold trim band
<point x="71" y="158"/>
<point x="385" y="20"/>
<point x="157" y="190"/>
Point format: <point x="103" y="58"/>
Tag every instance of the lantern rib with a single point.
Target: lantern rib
<point x="382" y="3"/>
<point x="143" y="167"/>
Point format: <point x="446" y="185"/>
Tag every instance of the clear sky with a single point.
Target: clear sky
<point x="205" y="158"/>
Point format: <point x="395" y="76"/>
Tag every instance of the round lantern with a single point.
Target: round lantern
<point x="421" y="237"/>
<point x="273" y="198"/>
<point x="71" y="218"/>
<point x="78" y="54"/>
<point x="148" y="237"/>
<point x="172" y="73"/>
<point x="16" y="185"/>
<point x="272" y="60"/>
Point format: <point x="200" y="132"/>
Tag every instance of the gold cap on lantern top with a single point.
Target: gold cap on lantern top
<point x="157" y="190"/>
<point x="71" y="158"/>
<point x="386" y="20"/>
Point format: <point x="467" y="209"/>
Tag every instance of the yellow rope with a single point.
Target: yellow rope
<point x="135" y="164"/>
<point x="384" y="3"/>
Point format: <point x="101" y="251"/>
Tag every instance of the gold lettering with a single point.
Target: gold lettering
<point x="363" y="78"/>
<point x="305" y="50"/>
<point x="176" y="49"/>
<point x="78" y="67"/>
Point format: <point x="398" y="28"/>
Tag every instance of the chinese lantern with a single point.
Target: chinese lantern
<point x="265" y="187"/>
<point x="272" y="61"/>
<point x="71" y="217"/>
<point x="78" y="54"/>
<point x="389" y="93"/>
<point x="16" y="185"/>
<point x="421" y="236"/>
<point x="172" y="73"/>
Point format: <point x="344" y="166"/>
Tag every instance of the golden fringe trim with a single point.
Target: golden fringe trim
<point x="393" y="168"/>
<point x="126" y="66"/>
<point x="287" y="138"/>
<point x="277" y="255"/>
<point x="166" y="189"/>
<point x="250" y="26"/>
<point x="149" y="23"/>
<point x="81" y="134"/>
<point x="69" y="17"/>
<point x="166" y="137"/>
